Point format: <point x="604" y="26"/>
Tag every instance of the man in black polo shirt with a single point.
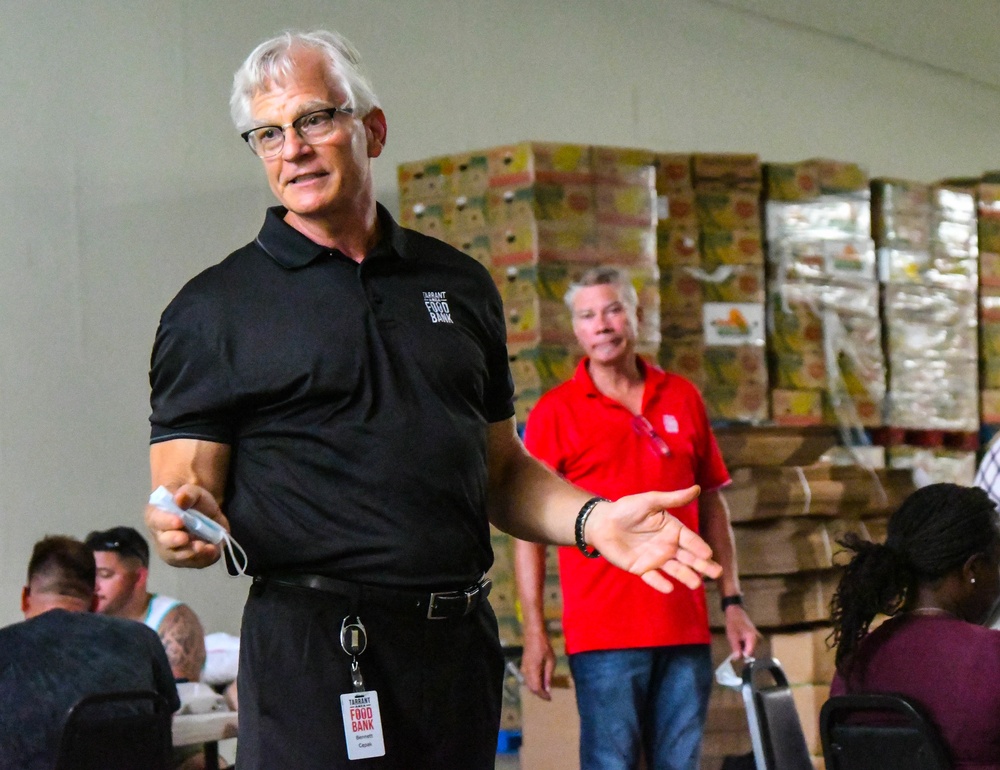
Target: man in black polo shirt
<point x="339" y="388"/>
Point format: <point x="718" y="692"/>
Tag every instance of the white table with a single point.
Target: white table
<point x="208" y="729"/>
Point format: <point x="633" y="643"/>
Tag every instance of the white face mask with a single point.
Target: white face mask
<point x="726" y="675"/>
<point x="202" y="527"/>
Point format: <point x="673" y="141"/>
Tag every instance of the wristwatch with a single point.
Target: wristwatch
<point x="729" y="601"/>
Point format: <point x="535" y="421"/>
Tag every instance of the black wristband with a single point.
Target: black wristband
<point x="581" y="522"/>
<point x="736" y="600"/>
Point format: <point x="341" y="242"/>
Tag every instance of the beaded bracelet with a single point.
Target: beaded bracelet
<point x="581" y="522"/>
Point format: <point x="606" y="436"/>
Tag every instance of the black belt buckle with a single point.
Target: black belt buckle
<point x="445" y="604"/>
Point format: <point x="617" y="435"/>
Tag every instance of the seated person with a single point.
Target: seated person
<point x="122" y="556"/>
<point x="62" y="651"/>
<point x="937" y="576"/>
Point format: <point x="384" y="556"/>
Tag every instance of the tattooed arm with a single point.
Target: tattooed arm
<point x="184" y="640"/>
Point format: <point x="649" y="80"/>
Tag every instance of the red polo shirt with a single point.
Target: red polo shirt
<point x="598" y="444"/>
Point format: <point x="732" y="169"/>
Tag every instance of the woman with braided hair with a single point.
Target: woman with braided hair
<point x="937" y="576"/>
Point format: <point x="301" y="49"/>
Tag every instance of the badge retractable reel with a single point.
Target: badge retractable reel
<point x="362" y="721"/>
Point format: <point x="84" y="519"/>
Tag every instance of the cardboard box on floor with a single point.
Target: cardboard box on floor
<point x="550" y="731"/>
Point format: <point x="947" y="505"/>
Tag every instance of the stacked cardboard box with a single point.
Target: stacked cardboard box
<point x="789" y="507"/>
<point x="824" y="330"/>
<point x="712" y="296"/>
<point x="537" y="215"/>
<point x="989" y="299"/>
<point x="928" y="262"/>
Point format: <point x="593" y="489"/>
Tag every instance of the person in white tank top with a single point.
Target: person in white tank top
<point x="122" y="557"/>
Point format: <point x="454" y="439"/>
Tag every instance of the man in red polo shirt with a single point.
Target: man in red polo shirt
<point x="640" y="659"/>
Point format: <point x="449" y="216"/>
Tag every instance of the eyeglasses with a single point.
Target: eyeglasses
<point x="643" y="427"/>
<point x="313" y="127"/>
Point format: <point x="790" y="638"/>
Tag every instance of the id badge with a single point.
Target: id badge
<point x="362" y="725"/>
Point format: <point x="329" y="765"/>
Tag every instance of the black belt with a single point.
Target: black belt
<point x="435" y="605"/>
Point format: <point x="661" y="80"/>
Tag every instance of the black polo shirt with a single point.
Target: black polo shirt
<point x="355" y="397"/>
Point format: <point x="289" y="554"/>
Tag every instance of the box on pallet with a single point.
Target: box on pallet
<point x="677" y="246"/>
<point x="731" y="247"/>
<point x="422" y="181"/>
<point x="543" y="200"/>
<point x="777" y="601"/>
<point x="990" y="406"/>
<point x="476" y="244"/>
<point x="733" y="323"/>
<point x="732" y="283"/>
<point x="809" y="544"/>
<point x="797" y="407"/>
<point x="684" y="356"/>
<point x="727" y="209"/>
<point x="743" y="402"/>
<point x="514" y="243"/>
<point x="726" y="170"/>
<point x="764" y="446"/>
<point x="673" y="171"/>
<point x="518" y="290"/>
<point x="676" y="208"/>
<point x="733" y="365"/>
<point x="530" y="162"/>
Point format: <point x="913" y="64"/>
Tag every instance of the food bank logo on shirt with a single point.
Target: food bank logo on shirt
<point x="437" y="306"/>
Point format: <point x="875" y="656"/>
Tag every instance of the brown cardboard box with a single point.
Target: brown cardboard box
<point x="809" y="699"/>
<point x="778" y="601"/>
<point x="773" y="500"/>
<point x="743" y="446"/>
<point x="550" y="731"/>
<point x="799" y="408"/>
<point x="791" y="181"/>
<point x="673" y="172"/>
<point x="731" y="247"/>
<point x="732" y="170"/>
<point x="744" y="402"/>
<point x="728" y="210"/>
<point x="684" y="356"/>
<point x="821" y="489"/>
<point x="678" y="207"/>
<point x="678" y="246"/>
<point x="804" y="544"/>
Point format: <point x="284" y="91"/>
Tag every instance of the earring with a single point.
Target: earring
<point x="973" y="581"/>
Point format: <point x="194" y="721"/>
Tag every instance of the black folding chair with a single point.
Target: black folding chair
<point x="775" y="729"/>
<point x="117" y="731"/>
<point x="881" y="731"/>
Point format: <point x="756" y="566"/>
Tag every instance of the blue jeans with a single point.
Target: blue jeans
<point x="654" y="698"/>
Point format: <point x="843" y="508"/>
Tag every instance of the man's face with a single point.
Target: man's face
<point x="321" y="180"/>
<point x="603" y="324"/>
<point x="117" y="582"/>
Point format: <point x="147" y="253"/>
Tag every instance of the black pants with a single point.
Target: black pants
<point x="438" y="683"/>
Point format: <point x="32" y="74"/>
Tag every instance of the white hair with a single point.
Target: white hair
<point x="272" y="62"/>
<point x="604" y="276"/>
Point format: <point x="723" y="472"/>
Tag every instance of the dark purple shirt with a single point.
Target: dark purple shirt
<point x="950" y="667"/>
<point x="51" y="661"/>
